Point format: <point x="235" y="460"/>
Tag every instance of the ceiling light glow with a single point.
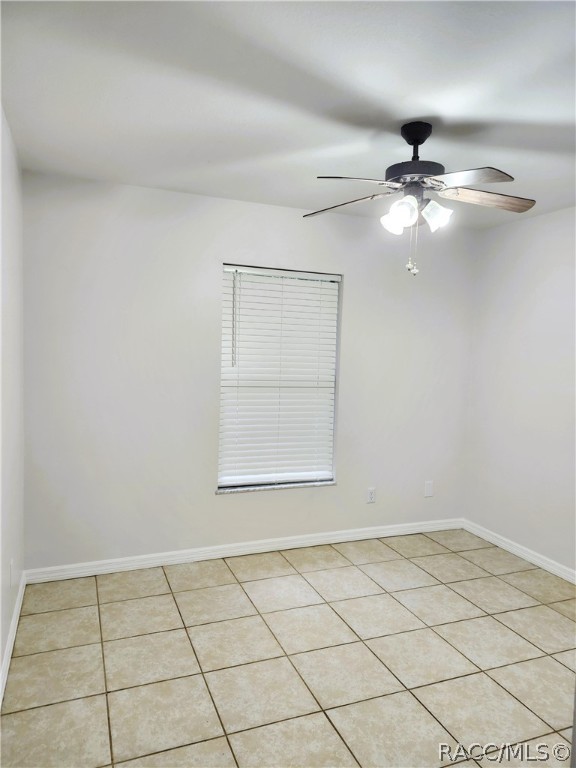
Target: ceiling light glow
<point x="390" y="223"/>
<point x="436" y="215"/>
<point x="405" y="211"/>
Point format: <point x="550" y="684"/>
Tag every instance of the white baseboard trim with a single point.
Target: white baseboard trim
<point x="96" y="567"/>
<point x="77" y="570"/>
<point x="7" y="654"/>
<point x="517" y="549"/>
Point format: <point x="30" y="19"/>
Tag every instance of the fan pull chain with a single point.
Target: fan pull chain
<point x="411" y="266"/>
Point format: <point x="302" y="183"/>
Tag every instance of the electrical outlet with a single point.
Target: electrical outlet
<point x="371" y="496"/>
<point x="429" y="488"/>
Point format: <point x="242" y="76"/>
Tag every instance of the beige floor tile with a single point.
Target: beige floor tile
<point x="161" y="716"/>
<point x="315" y="558"/>
<point x="450" y="567"/>
<point x="344" y="674"/>
<point x="148" y="659"/>
<point x="63" y="735"/>
<point x="487" y="643"/>
<point x="141" y="616"/>
<point x="534" y="752"/>
<point x="198" y="575"/>
<point x="493" y="595"/>
<point x="238" y="641"/>
<point x="58" y="595"/>
<point x="566" y="607"/>
<point x="497" y="561"/>
<point x="367" y="551"/>
<point x="415" y="545"/>
<point x="420" y="657"/>
<point x="208" y="754"/>
<point x="46" y="678"/>
<point x="201" y="606"/>
<point x="544" y="685"/>
<point x="475" y="709"/>
<point x="459" y="540"/>
<point x="342" y="583"/>
<point x="543" y="627"/>
<point x="57" y="629"/>
<point x="280" y="593"/>
<point x="307" y="629"/>
<point x="125" y="585"/>
<point x="568" y="658"/>
<point x="542" y="585"/>
<point x="261" y="566"/>
<point x="567" y="734"/>
<point x="304" y="742"/>
<point x="258" y="694"/>
<point x="398" y="574"/>
<point x="437" y="605"/>
<point x="375" y="616"/>
<point x="391" y="732"/>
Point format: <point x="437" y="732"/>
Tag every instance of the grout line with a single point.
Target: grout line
<point x="54" y="704"/>
<point x="402" y="689"/>
<point x="532" y="642"/>
<point x="56" y="610"/>
<point x="261" y="615"/>
<point x="321" y="709"/>
<point x="53" y="650"/>
<point x="170" y="749"/>
<point x="105" y="677"/>
<point x="482" y="670"/>
<point x="205" y="683"/>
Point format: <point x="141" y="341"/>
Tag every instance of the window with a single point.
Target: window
<point x="278" y="381"/>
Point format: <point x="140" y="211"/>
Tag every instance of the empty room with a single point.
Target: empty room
<point x="288" y="384"/>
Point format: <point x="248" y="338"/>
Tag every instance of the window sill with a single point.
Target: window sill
<point x="279" y="487"/>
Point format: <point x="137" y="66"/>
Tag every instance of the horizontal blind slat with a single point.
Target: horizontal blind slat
<point x="278" y="376"/>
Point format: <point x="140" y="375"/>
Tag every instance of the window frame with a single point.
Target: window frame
<point x="283" y="484"/>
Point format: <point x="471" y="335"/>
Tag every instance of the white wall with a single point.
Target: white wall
<point x="122" y="328"/>
<point x="520" y="460"/>
<point x="11" y="468"/>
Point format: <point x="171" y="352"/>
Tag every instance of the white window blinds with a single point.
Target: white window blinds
<point x="279" y="348"/>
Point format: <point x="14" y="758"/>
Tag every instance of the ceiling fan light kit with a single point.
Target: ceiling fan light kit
<point x="415" y="177"/>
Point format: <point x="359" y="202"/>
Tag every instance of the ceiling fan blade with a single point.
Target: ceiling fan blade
<point x="391" y="184"/>
<point x="490" y="199"/>
<point x="350" y="202"/>
<point x="472" y="176"/>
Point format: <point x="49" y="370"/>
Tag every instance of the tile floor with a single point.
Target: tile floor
<point x="365" y="653"/>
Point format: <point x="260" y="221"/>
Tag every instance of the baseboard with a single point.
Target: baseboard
<point x="517" y="549"/>
<point x="96" y="567"/>
<point x="77" y="570"/>
<point x="7" y="654"/>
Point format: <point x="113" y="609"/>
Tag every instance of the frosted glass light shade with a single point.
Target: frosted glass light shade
<point x="405" y="211"/>
<point x="436" y="215"/>
<point x="390" y="223"/>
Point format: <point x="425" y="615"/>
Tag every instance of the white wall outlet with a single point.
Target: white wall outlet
<point x="429" y="488"/>
<point x="371" y="496"/>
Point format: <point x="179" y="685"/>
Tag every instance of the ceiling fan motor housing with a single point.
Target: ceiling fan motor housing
<point x="413" y="170"/>
<point x="415" y="134"/>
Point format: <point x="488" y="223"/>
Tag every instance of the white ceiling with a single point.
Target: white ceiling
<point x="253" y="100"/>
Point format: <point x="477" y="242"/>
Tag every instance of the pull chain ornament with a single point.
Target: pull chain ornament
<point x="411" y="267"/>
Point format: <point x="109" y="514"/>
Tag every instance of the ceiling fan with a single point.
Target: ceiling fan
<point x="415" y="177"/>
